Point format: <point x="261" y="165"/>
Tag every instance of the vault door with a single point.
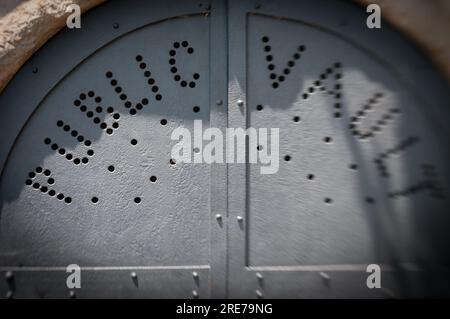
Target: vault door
<point x="90" y="179"/>
<point x="362" y="159"/>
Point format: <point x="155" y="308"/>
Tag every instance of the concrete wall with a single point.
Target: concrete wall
<point x="25" y="25"/>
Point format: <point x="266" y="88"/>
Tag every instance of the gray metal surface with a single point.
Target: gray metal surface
<point x="363" y="159"/>
<point x="361" y="116"/>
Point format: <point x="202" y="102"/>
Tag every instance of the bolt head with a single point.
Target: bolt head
<point x="325" y="276"/>
<point x="9" y="275"/>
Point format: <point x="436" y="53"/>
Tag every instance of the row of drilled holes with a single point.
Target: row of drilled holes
<point x="44" y="189"/>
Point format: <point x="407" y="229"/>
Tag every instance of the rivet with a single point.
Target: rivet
<point x="9" y="275"/>
<point x="195" y="274"/>
<point x="259" y="294"/>
<point x="240" y="218"/>
<point x="259" y="276"/>
<point x="35" y="70"/>
<point x="258" y="6"/>
<point x="9" y="294"/>
<point x="387" y="293"/>
<point x="219" y="102"/>
<point x="116" y="25"/>
<point x="325" y="276"/>
<point x="195" y="294"/>
<point x="72" y="294"/>
<point x="133" y="275"/>
<point x="240" y="103"/>
<point x="218" y="217"/>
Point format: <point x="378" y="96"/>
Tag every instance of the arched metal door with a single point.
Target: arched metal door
<point x="87" y="176"/>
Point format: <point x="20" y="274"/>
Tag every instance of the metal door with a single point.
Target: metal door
<point x="87" y="176"/>
<point x="363" y="167"/>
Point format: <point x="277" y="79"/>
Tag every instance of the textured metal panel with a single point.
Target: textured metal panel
<point x="87" y="176"/>
<point x="363" y="164"/>
<point x="90" y="180"/>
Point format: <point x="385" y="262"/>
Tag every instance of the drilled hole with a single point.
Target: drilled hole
<point x="153" y="179"/>
<point x="133" y="141"/>
<point x="94" y="200"/>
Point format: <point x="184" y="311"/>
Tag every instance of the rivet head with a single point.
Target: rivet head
<point x="195" y="274"/>
<point x="9" y="275"/>
<point x="325" y="276"/>
<point x="116" y="25"/>
<point x="259" y="294"/>
<point x="194" y="294"/>
<point x="133" y="275"/>
<point x="9" y="294"/>
<point x="218" y="216"/>
<point x="219" y="102"/>
<point x="35" y="70"/>
<point x="240" y="218"/>
<point x="387" y="293"/>
<point x="259" y="276"/>
<point x="72" y="294"/>
<point x="240" y="103"/>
